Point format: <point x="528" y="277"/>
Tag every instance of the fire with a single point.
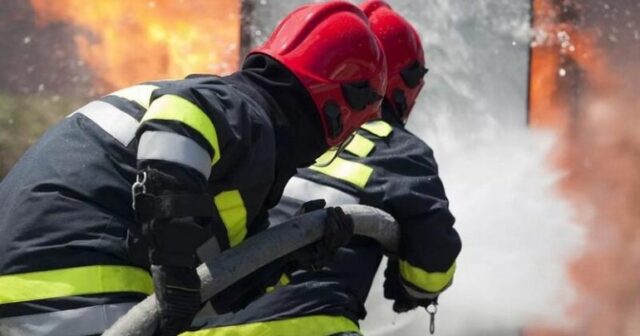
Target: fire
<point x="125" y="42"/>
<point x="577" y="90"/>
<point x="563" y="56"/>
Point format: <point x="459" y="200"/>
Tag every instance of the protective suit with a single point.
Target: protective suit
<point x="113" y="202"/>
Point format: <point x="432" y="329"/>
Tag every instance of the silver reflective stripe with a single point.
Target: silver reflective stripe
<point x="81" y="321"/>
<point x="420" y="295"/>
<point x="306" y="190"/>
<point x="112" y="120"/>
<point x="155" y="145"/>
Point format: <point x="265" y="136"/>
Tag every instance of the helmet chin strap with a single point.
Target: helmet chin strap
<point x="331" y="111"/>
<point x="400" y="103"/>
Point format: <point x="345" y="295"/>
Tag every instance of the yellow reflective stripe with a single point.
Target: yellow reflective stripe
<point x="140" y="94"/>
<point x="171" y="107"/>
<point x="319" y="325"/>
<point x="352" y="172"/>
<point x="433" y="282"/>
<point x="233" y="214"/>
<point x="360" y="146"/>
<point x="378" y="127"/>
<point x="73" y="281"/>
<point x="284" y="280"/>
<point x="326" y="157"/>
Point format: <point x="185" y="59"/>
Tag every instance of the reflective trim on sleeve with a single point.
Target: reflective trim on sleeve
<point x="378" y="127"/>
<point x="360" y="146"/>
<point x="318" y="325"/>
<point x="82" y="321"/>
<point x="349" y="171"/>
<point x="429" y="281"/>
<point x="305" y="190"/>
<point x="417" y="294"/>
<point x="172" y="147"/>
<point x="73" y="281"/>
<point x="233" y="214"/>
<point x="140" y="94"/>
<point x="171" y="107"/>
<point x="112" y="120"/>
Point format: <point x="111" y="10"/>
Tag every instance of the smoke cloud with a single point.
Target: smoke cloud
<point x="518" y="231"/>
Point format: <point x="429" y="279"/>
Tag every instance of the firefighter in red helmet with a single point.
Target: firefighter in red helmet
<point x="166" y="166"/>
<point x="384" y="166"/>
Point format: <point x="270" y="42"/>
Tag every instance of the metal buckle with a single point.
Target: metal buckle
<point x="138" y="187"/>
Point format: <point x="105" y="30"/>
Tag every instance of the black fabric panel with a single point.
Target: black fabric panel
<point x="300" y="136"/>
<point x="294" y="300"/>
<point x="220" y="232"/>
<point x="432" y="246"/>
<point x="73" y="302"/>
<point x="67" y="201"/>
<point x="260" y="223"/>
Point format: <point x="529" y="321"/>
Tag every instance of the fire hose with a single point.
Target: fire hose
<point x="232" y="265"/>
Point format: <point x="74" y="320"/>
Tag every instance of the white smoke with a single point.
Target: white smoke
<point x="518" y="233"/>
<point x="517" y="238"/>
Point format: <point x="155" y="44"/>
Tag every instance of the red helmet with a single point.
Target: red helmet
<point x="405" y="57"/>
<point x="333" y="52"/>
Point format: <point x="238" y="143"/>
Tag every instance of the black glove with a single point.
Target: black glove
<point x="338" y="229"/>
<point x="175" y="221"/>
<point x="176" y="282"/>
<point x="178" y="295"/>
<point x="394" y="290"/>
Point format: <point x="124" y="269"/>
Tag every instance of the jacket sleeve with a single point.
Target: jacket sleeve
<point x="429" y="244"/>
<point x="179" y="131"/>
<point x="194" y="131"/>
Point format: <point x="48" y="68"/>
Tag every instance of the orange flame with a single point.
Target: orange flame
<point x="125" y="42"/>
<point x="599" y="149"/>
<point x="561" y="51"/>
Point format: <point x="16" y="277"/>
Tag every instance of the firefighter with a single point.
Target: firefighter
<point x="113" y="202"/>
<point x="384" y="166"/>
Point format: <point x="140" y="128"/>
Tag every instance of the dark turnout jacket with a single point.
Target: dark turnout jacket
<point x="387" y="167"/>
<point x="384" y="166"/>
<point x="66" y="206"/>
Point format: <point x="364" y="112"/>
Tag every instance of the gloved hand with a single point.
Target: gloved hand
<point x="176" y="282"/>
<point x="338" y="228"/>
<point x="178" y="295"/>
<point x="394" y="290"/>
<point x="175" y="221"/>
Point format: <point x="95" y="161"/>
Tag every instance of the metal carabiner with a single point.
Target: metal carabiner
<point x="432" y="310"/>
<point x="138" y="187"/>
